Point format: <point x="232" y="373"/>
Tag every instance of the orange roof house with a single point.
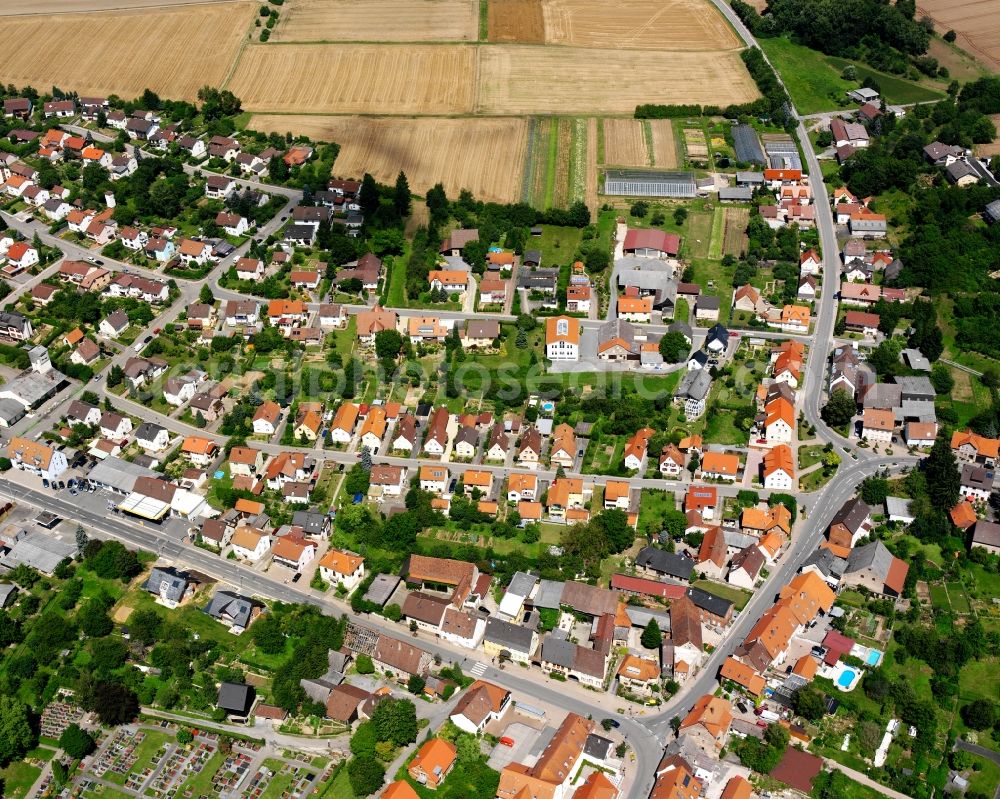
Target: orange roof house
<point x="711" y="714"/>
<point x="339" y="561"/>
<point x="597" y="786"/>
<point x="713" y="547"/>
<point x="737" y="788"/>
<point x="196" y="445"/>
<point x="433" y="762"/>
<point x="963" y="515"/>
<point x="400" y="790"/>
<point x="721" y="464"/>
<point x="807" y="595"/>
<point x="805" y="667"/>
<point x="743" y="675"/>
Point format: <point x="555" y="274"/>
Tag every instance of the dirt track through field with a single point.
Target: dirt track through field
<point x="378" y="21"/>
<point x="194" y="46"/>
<point x="485" y="156"/>
<point x="977" y="23"/>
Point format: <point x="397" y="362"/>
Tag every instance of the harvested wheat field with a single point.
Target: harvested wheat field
<point x="515" y="21"/>
<point x="977" y="23"/>
<point x="356" y="78"/>
<point x="641" y="24"/>
<point x="485" y="156"/>
<point x="664" y="147"/>
<point x="625" y="143"/>
<point x="378" y="21"/>
<point x="16" y="7"/>
<point x="735" y="236"/>
<point x="558" y="80"/>
<point x="194" y="46"/>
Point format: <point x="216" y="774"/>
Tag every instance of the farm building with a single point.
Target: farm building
<point x="634" y="183"/>
<point x="747" y="145"/>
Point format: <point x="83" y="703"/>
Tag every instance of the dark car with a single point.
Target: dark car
<point x="612" y="723"/>
<point x="297" y="576"/>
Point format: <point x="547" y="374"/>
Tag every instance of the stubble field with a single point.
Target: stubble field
<point x="357" y="79"/>
<point x="977" y="23"/>
<point x="485" y="156"/>
<point x="664" y="147"/>
<point x="173" y="50"/>
<point x="641" y="24"/>
<point x="378" y="21"/>
<point x="527" y="80"/>
<point x="625" y="143"/>
<point x="17" y="7"/>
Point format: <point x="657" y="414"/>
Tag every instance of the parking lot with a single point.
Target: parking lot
<point x="528" y="742"/>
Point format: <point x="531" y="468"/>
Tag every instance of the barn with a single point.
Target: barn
<point x="636" y="183"/>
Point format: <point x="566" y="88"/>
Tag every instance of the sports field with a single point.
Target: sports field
<point x="356" y="78"/>
<point x="485" y="156"/>
<point x="378" y="21"/>
<point x="174" y="50"/>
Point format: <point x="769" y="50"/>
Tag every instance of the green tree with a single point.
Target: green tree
<point x="651" y="636"/>
<point x="401" y="196"/>
<point x="415" y="685"/>
<point x="268" y="635"/>
<point x="205" y="295"/>
<point x="364" y="739"/>
<point x="979" y="714"/>
<point x="108" y="654"/>
<point x="396" y="720"/>
<point x="943" y="478"/>
<point x="366" y="775"/>
<point x="363" y="663"/>
<point x="144" y="626"/>
<point x="58" y="772"/>
<point x="76" y="742"/>
<point x="388" y="344"/>
<point x="941" y="379"/>
<point x="674" y="347"/>
<point x="874" y="490"/>
<point x="809" y="703"/>
<point x="839" y="409"/>
<point x="16" y="735"/>
<point x="93" y="620"/>
<point x="393" y="612"/>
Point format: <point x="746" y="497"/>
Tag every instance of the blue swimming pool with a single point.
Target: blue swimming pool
<point x="874" y="657"/>
<point x="548" y="406"/>
<point x="847" y="676"/>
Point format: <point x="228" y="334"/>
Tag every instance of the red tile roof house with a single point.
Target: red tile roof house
<point x="650" y="243"/>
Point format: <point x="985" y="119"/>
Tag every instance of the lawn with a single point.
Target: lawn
<point x="558" y="245"/>
<point x="812" y="83"/>
<point x="652" y="508"/>
<point x="395" y="297"/>
<point x="340" y="788"/>
<point x="18" y="778"/>
<point x="815" y="84"/>
<point x="718" y="225"/>
<point x="815" y="480"/>
<point x="721" y="428"/>
<point x="939" y="597"/>
<point x="959" y="599"/>
<point x="737" y="596"/>
<point x="987" y="778"/>
<point x="700" y="234"/>
<point x="980" y="679"/>
<point x="280" y="782"/>
<point x="810" y="455"/>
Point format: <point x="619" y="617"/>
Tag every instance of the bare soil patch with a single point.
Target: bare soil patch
<point x="174" y="51"/>
<point x="515" y="21"/>
<point x="378" y="21"/>
<point x="485" y="156"/>
<point x="122" y="613"/>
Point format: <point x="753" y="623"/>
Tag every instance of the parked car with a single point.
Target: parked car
<point x="507" y="741"/>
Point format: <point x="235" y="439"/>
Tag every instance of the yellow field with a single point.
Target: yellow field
<point x="357" y="78"/>
<point x="527" y="80"/>
<point x="378" y="21"/>
<point x="174" y="51"/>
<point x="642" y="24"/>
<point x="664" y="150"/>
<point x="485" y="156"/>
<point x="977" y="23"/>
<point x="625" y="143"/>
<point x="15" y="7"/>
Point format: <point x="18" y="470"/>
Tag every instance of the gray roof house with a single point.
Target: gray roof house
<point x="233" y="610"/>
<point x="991" y="213"/>
<point x="518" y="640"/>
<point x="916" y="387"/>
<point x="168" y="585"/>
<point x="236" y="698"/>
<point x="663" y="562"/>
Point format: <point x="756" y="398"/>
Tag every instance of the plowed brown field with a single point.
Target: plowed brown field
<point x="515" y="21"/>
